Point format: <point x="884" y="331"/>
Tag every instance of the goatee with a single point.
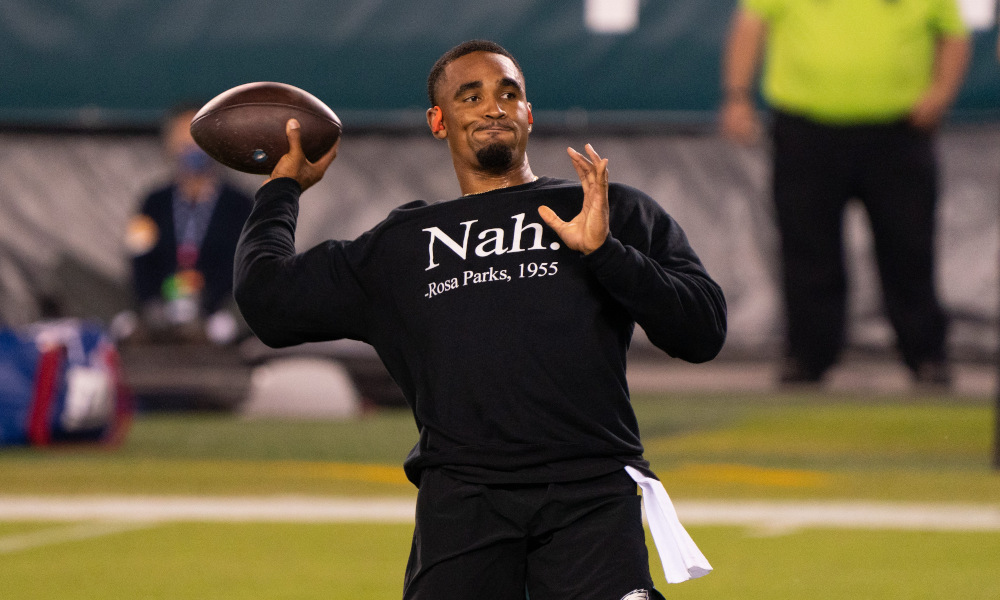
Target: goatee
<point x="495" y="157"/>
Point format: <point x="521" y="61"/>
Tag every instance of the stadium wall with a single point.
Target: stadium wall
<point x="66" y="200"/>
<point x="95" y="63"/>
<point x="77" y="72"/>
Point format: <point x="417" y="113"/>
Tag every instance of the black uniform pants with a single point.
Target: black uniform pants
<point x="579" y="540"/>
<point x="892" y="170"/>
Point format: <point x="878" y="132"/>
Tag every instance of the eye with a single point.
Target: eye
<point x="471" y="98"/>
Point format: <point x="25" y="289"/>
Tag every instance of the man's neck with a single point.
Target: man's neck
<point x="479" y="182"/>
<point x="197" y="189"/>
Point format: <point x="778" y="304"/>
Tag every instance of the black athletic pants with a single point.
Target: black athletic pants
<point x="892" y="170"/>
<point x="580" y="540"/>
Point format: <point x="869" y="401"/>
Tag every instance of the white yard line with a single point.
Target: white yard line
<point x="787" y="516"/>
<point x="66" y="533"/>
<point x="762" y="514"/>
<point x="98" y="516"/>
<point x="209" y="508"/>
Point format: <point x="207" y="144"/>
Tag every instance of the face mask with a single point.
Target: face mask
<point x="194" y="161"/>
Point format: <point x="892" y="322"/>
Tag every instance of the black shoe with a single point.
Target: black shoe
<point x="934" y="375"/>
<point x="794" y="373"/>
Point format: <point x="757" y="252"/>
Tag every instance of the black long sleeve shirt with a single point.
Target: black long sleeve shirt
<point x="510" y="348"/>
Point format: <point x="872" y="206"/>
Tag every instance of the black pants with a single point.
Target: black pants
<point x="892" y="170"/>
<point x="581" y="540"/>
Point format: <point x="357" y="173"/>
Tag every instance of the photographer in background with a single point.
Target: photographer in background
<point x="183" y="240"/>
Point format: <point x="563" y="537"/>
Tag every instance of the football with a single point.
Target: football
<point x="244" y="127"/>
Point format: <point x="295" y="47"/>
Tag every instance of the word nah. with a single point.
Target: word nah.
<point x="493" y="240"/>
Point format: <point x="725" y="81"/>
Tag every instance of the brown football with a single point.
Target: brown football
<point x="244" y="127"/>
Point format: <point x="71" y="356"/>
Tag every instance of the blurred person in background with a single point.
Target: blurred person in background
<point x="857" y="89"/>
<point x="183" y="240"/>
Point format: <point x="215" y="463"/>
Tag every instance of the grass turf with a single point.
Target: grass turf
<point x="229" y="561"/>
<point x="216" y="561"/>
<point x="816" y="447"/>
<point x="721" y="447"/>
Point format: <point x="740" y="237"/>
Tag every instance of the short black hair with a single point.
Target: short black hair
<point x="176" y="110"/>
<point x="459" y="51"/>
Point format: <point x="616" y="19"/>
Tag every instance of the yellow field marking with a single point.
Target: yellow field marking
<point x="736" y="473"/>
<point x="339" y="471"/>
<point x="281" y="470"/>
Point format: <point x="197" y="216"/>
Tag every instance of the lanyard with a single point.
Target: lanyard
<point x="191" y="221"/>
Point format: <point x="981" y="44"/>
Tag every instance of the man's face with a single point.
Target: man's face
<point x="189" y="160"/>
<point x="177" y="135"/>
<point x="486" y="115"/>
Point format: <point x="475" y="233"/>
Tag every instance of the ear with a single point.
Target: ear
<point x="435" y="120"/>
<point x="531" y="117"/>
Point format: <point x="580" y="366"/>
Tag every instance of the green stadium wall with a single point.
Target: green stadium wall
<point x="101" y="62"/>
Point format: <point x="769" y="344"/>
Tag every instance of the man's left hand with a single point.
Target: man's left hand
<point x="929" y="110"/>
<point x="589" y="229"/>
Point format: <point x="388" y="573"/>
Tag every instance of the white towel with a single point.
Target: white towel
<point x="681" y="558"/>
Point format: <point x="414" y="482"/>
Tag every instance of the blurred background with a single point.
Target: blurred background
<point x="865" y="488"/>
<point x="86" y="84"/>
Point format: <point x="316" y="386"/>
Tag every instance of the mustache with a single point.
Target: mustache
<point x="496" y="125"/>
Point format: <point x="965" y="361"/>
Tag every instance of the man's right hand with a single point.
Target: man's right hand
<point x="741" y="58"/>
<point x="739" y="122"/>
<point x="296" y="165"/>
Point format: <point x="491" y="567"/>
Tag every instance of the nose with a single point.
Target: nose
<point x="494" y="110"/>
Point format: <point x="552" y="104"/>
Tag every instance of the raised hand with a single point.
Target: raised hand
<point x="589" y="229"/>
<point x="296" y="165"/>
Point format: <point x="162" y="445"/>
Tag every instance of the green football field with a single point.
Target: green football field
<point x="781" y="452"/>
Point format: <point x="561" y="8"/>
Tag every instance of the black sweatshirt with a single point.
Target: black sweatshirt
<point x="510" y="348"/>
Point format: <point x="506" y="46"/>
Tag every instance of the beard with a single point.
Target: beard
<point x="495" y="157"/>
